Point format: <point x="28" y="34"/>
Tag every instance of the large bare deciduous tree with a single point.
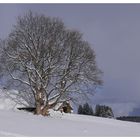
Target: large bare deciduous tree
<point x="49" y="61"/>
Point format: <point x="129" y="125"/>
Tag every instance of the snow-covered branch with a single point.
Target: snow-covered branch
<point x="20" y="80"/>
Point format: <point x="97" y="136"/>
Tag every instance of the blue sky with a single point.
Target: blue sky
<point x="113" y="30"/>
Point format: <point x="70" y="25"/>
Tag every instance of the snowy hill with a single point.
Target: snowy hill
<point x="26" y="124"/>
<point x="19" y="123"/>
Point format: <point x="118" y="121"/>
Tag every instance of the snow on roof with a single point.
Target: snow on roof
<point x="57" y="106"/>
<point x="53" y="99"/>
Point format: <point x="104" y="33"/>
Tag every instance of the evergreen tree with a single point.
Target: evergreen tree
<point x="80" y="109"/>
<point x="97" y="110"/>
<point x="85" y="109"/>
<point x="91" y="111"/>
<point x="104" y="111"/>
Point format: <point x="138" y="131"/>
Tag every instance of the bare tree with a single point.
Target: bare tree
<point x="49" y="61"/>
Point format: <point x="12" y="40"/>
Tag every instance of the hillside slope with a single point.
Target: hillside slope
<point x="19" y="123"/>
<point x="26" y="124"/>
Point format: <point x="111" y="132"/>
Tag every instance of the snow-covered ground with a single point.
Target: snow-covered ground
<point x="26" y="124"/>
<point x="19" y="123"/>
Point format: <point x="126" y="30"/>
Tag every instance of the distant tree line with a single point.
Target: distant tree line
<point x="129" y="118"/>
<point x="104" y="111"/>
<point x="100" y="110"/>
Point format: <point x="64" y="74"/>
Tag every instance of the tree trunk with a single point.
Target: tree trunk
<point x="39" y="101"/>
<point x="45" y="111"/>
<point x="38" y="108"/>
